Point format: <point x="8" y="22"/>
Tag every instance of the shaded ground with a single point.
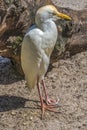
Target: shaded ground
<point x="67" y="80"/>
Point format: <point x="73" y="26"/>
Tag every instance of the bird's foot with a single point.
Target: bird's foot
<point x="51" y="102"/>
<point x="49" y="105"/>
<point x="50" y="108"/>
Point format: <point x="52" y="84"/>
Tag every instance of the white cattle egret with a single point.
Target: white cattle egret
<point x="38" y="44"/>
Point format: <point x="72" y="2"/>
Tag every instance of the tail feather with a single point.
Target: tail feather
<point x="31" y="82"/>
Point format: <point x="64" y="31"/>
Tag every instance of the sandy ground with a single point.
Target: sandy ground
<point x="67" y="80"/>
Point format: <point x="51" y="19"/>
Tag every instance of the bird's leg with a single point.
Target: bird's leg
<point x="44" y="106"/>
<point x="49" y="101"/>
<point x="40" y="96"/>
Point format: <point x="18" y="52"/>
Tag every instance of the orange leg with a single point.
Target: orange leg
<point x="48" y="104"/>
<point x="49" y="101"/>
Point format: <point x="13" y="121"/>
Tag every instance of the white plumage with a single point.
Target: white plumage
<point x="36" y="50"/>
<point x="37" y="47"/>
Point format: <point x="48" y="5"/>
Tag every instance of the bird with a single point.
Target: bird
<point x="37" y="46"/>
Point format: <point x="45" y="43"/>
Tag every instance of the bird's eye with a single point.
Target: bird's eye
<point x="53" y="13"/>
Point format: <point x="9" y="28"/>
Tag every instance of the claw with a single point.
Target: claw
<point x="52" y="102"/>
<point x="45" y="107"/>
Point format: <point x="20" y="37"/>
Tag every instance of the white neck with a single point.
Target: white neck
<point x="48" y="26"/>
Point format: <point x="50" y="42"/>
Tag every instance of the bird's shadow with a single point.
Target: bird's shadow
<point x="13" y="102"/>
<point x="8" y="74"/>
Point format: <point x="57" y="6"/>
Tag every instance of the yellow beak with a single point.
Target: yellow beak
<point x="63" y="16"/>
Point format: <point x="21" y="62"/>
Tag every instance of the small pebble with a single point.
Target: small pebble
<point x="24" y="123"/>
<point x="13" y="113"/>
<point x="31" y="118"/>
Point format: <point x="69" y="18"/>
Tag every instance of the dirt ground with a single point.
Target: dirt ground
<point x="67" y="80"/>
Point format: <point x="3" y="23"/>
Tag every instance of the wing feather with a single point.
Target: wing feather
<point x="31" y="58"/>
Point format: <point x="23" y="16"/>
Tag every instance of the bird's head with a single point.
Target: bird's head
<point x="49" y="12"/>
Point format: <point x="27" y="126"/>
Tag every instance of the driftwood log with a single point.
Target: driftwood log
<point x="17" y="15"/>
